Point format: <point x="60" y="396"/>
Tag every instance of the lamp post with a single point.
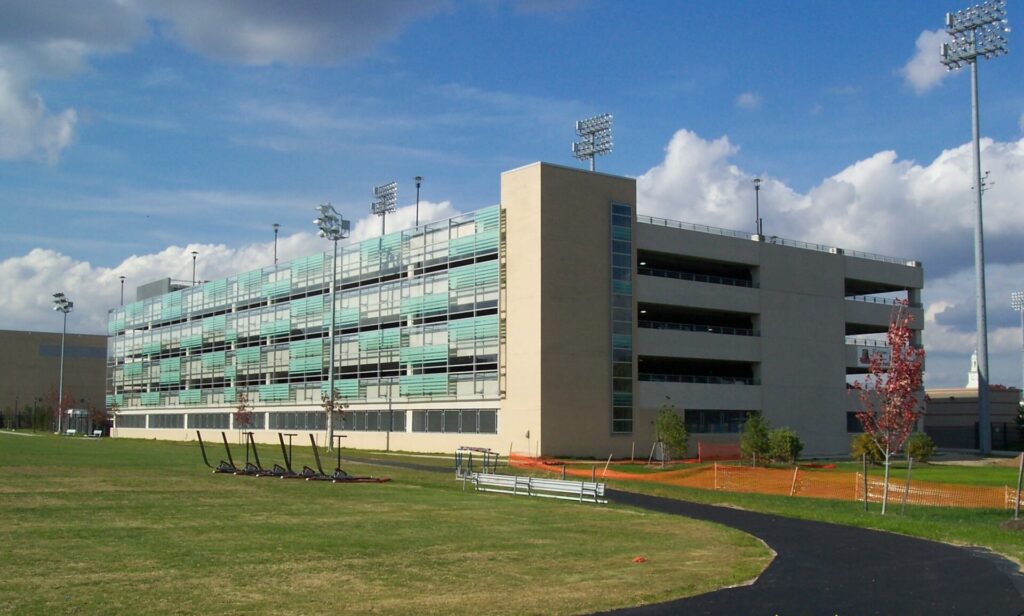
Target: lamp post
<point x="1017" y="303"/>
<point x="757" y="206"/>
<point x="332" y="227"/>
<point x="276" y="227"/>
<point x="595" y="138"/>
<point x="385" y="197"/>
<point x="61" y="303"/>
<point x="977" y="32"/>
<point x="194" y="255"/>
<point x="122" y="289"/>
<point x="418" y="179"/>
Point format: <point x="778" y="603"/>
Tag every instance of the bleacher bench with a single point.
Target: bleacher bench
<point x="71" y="432"/>
<point x="582" y="491"/>
<point x="96" y="434"/>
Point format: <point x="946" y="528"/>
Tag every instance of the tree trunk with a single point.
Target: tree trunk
<point x="885" y="485"/>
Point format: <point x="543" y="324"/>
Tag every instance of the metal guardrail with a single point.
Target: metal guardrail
<point x="774" y="239"/>
<point x="869" y="342"/>
<point x="689" y="327"/>
<point x="706" y="380"/>
<point x="582" y="491"/>
<point x="887" y="301"/>
<point x="663" y="273"/>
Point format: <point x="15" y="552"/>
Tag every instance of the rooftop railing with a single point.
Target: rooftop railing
<point x="644" y="270"/>
<point x="773" y="239"/>
<point x="690" y="327"/>
<point x="707" y="380"/>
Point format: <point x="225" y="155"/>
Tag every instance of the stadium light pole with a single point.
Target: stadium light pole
<point x="61" y="303"/>
<point x="1017" y="303"/>
<point x="276" y="227"/>
<point x="332" y="227"/>
<point x="122" y="289"/>
<point x="194" y="255"/>
<point x="385" y="197"/>
<point x="977" y="32"/>
<point x="418" y="179"/>
<point x="595" y="138"/>
<point x="757" y="205"/>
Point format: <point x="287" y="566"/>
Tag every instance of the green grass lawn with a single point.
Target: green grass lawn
<point x="130" y="526"/>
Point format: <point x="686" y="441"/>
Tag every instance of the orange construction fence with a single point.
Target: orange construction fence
<point x="795" y="481"/>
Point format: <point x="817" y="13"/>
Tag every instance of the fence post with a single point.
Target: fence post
<point x="563" y="471"/>
<point x="906" y="488"/>
<point x="716" y="476"/>
<point x="1016" y="503"/>
<point x="792" y="488"/>
<point x="593" y="474"/>
<point x="864" y="464"/>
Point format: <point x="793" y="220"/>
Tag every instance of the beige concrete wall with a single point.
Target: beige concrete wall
<point x="560" y="330"/>
<point x="30" y="368"/>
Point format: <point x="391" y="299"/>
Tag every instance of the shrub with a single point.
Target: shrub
<point x="920" y="447"/>
<point x="863" y="445"/>
<point x="784" y="445"/>
<point x="671" y="431"/>
<point x="754" y="437"/>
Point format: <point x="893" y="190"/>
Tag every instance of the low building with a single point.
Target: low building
<point x="557" y="322"/>
<point x="951" y="418"/>
<point x="30" y="372"/>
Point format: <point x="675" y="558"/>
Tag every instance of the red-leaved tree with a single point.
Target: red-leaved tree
<point x="891" y="394"/>
<point x="243" y="411"/>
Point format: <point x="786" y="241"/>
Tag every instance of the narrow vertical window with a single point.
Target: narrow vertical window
<point x="621" y="276"/>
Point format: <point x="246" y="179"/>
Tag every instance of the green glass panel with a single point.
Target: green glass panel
<point x="250" y="355"/>
<point x="112" y="399"/>
<point x="277" y="288"/>
<point x="274" y="328"/>
<point x="488" y="219"/>
<point x="312" y="265"/>
<point x="214" y="360"/>
<point x="462" y="246"/>
<point x="229" y="394"/>
<point x="274" y="392"/>
<point x="622" y="233"/>
<point x="170" y="370"/>
<point x="249" y="281"/>
<point x="214" y="325"/>
<point x="480" y="328"/>
<point x="425" y="304"/>
<point x="391" y="338"/>
<point x="192" y="342"/>
<point x="151" y="348"/>
<point x="190" y="396"/>
<point x="346" y="388"/>
<point x="424" y="354"/>
<point x="622" y="287"/>
<point x="310" y="306"/>
<point x="231" y="336"/>
<point x="218" y="289"/>
<point x="134" y="310"/>
<point x="150" y="398"/>
<point x="230" y="372"/>
<point x="133" y="369"/>
<point x="423" y="384"/>
<point x="369" y="341"/>
<point x="305" y="356"/>
<point x="115" y="326"/>
<point x="301" y="365"/>
<point x="343" y="317"/>
<point x="622" y="341"/>
<point x="170" y="306"/>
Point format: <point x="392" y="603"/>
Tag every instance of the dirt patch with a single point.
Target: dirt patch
<point x="1017" y="525"/>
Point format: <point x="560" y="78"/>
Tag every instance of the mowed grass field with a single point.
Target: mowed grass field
<point x="123" y="526"/>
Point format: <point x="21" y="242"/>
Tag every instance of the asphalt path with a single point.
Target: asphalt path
<point x="829" y="569"/>
<point x="825" y="568"/>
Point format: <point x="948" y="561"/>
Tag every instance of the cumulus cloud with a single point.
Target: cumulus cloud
<point x="881" y="204"/>
<point x="94" y="289"/>
<point x="748" y="100"/>
<point x="924" y="71"/>
<point x="39" y="41"/>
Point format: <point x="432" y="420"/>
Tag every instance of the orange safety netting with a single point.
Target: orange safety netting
<point x="796" y="481"/>
<point x="707" y="452"/>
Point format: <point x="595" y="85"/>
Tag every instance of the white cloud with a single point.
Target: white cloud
<point x="880" y="204"/>
<point x="40" y="273"/>
<point x="924" y="71"/>
<point x="258" y="32"/>
<point x="748" y="100"/>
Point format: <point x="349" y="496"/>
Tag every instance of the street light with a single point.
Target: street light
<point x="595" y="138"/>
<point x="418" y="179"/>
<point x="194" y="255"/>
<point x="276" y="227"/>
<point x="61" y="303"/>
<point x="385" y="197"/>
<point x="1017" y="303"/>
<point x="757" y="206"/>
<point x="977" y="32"/>
<point x="332" y="227"/>
<point x="122" y="289"/>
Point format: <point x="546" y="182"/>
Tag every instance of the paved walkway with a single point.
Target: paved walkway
<point x="830" y="569"/>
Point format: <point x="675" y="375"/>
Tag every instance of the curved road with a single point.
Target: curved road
<point x="830" y="569"/>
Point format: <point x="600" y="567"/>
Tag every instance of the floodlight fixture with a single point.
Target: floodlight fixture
<point x="977" y="31"/>
<point x="61" y="303"/>
<point x="595" y="138"/>
<point x="757" y="206"/>
<point x="332" y="227"/>
<point x="276" y="227"/>
<point x="385" y="197"/>
<point x="418" y="179"/>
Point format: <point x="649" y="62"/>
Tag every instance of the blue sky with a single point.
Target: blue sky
<point x="133" y="132"/>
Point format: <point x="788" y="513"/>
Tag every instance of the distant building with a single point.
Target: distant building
<point x="30" y="370"/>
<point x="951" y="418"/>
<point x="557" y="322"/>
